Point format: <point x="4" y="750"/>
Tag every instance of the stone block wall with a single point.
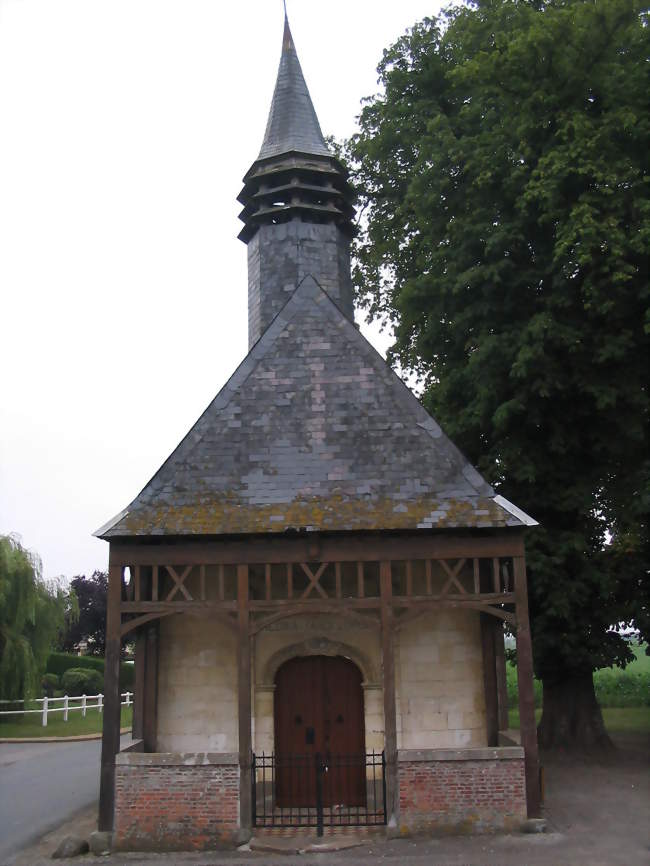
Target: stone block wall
<point x="175" y="801"/>
<point x="439" y="679"/>
<point x="197" y="686"/>
<point x="470" y="790"/>
<point x="439" y="682"/>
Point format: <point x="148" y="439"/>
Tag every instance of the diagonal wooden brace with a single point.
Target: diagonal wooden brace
<point x="453" y="576"/>
<point x="314" y="579"/>
<point x="179" y="582"/>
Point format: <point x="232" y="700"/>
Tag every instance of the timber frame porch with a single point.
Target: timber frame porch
<point x="249" y="584"/>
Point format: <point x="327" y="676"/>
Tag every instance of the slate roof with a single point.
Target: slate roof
<point x="292" y="123"/>
<point x="313" y="431"/>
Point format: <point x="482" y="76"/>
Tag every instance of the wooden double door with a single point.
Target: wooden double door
<point x="319" y="712"/>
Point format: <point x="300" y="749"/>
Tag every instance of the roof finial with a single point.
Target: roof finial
<point x="287" y="40"/>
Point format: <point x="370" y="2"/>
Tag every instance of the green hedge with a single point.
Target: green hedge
<point x="58" y="663"/>
<point x="82" y="681"/>
<point x="127" y="676"/>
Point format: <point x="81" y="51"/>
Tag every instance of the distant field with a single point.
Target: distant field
<point x="30" y="725"/>
<point x="615" y="687"/>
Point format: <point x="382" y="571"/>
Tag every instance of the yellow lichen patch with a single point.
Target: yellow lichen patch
<point x="233" y="514"/>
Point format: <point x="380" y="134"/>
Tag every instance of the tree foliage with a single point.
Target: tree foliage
<point x="90" y="624"/>
<point x="503" y="178"/>
<point x="32" y="613"/>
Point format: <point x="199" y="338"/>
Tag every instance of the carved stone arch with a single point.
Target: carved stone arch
<point x="320" y="646"/>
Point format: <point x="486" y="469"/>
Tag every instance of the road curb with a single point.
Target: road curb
<point x="76" y="739"/>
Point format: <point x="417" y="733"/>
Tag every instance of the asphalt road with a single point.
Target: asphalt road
<point x="42" y="785"/>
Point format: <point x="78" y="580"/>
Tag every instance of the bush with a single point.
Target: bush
<point x="82" y="681"/>
<point x="50" y="683"/>
<point x="59" y="663"/>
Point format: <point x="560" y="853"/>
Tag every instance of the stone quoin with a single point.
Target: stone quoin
<point x="316" y="580"/>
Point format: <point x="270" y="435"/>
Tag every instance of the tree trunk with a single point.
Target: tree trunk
<point x="571" y="718"/>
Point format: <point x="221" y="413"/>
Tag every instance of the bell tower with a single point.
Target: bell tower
<point x="298" y="205"/>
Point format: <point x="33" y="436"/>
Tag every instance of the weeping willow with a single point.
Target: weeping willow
<point x="32" y="615"/>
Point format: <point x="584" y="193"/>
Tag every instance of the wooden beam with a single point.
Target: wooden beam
<point x="502" y="683"/>
<point x="179" y="582"/>
<point x="244" y="700"/>
<point x="411" y="611"/>
<point x="527" y="724"/>
<point x="327" y="603"/>
<point x="390" y="713"/>
<point x="417" y="600"/>
<point x="138" y="687"/>
<point x="176" y="606"/>
<point x="361" y="548"/>
<point x="111" y="721"/>
<point x="333" y="604"/>
<point x="150" y="702"/>
<point x="490" y="679"/>
<point x="130" y="624"/>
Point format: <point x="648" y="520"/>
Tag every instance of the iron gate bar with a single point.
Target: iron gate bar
<point x="301" y="778"/>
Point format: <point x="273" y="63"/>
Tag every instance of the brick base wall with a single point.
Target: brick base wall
<point x="462" y="792"/>
<point x="165" y="804"/>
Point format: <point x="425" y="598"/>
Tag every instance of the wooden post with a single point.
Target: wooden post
<point x="390" y="717"/>
<point x="527" y="724"/>
<point x="490" y="679"/>
<point x="138" y="703"/>
<point x="111" y="727"/>
<point x="150" y="699"/>
<point x="502" y="682"/>
<point x="244" y="701"/>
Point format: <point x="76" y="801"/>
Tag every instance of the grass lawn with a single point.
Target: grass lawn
<point x="30" y="725"/>
<point x="625" y="719"/>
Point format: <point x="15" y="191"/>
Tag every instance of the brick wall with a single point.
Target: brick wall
<point x="461" y="794"/>
<point x="174" y="806"/>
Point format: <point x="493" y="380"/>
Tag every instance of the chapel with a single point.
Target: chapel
<point x="316" y="580"/>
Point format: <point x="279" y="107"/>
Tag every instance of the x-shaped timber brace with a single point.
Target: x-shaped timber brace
<point x="249" y="585"/>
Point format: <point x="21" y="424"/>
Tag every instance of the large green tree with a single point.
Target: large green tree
<point x="32" y="614"/>
<point x="504" y="232"/>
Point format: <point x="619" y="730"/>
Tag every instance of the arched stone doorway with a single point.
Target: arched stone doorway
<point x="319" y="716"/>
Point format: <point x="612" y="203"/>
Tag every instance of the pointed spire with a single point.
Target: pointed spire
<point x="292" y="123"/>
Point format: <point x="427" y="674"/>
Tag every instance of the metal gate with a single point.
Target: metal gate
<point x="309" y="786"/>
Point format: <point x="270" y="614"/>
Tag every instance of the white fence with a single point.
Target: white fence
<point x="70" y="704"/>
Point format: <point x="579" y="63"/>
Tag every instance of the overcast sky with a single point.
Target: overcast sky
<point x="125" y="129"/>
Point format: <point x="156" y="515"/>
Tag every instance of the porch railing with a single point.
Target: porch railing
<point x="320" y="790"/>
